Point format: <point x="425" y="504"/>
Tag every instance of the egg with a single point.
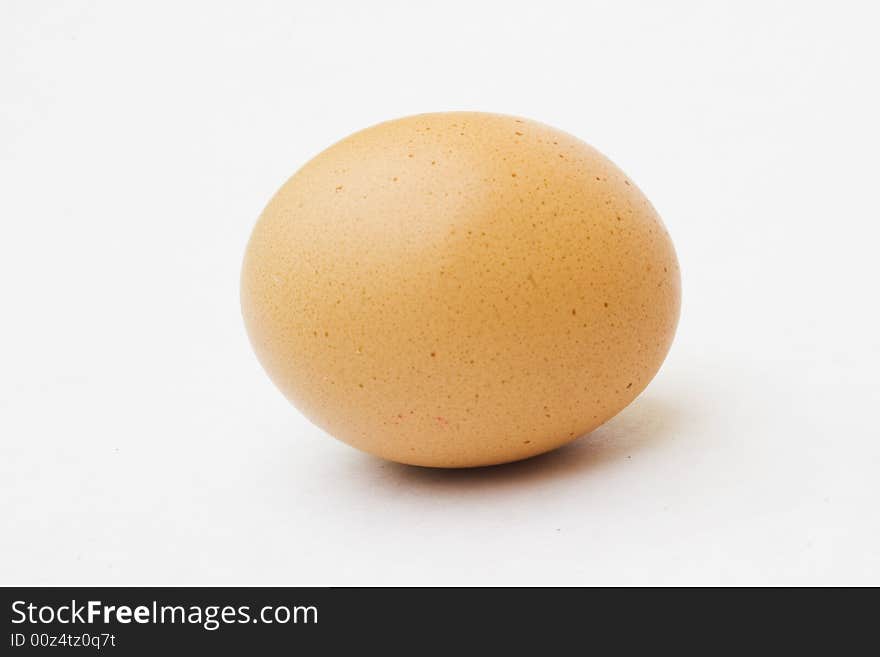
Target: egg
<point x="460" y="289"/>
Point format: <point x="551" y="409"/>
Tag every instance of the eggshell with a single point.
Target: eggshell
<point x="460" y="289"/>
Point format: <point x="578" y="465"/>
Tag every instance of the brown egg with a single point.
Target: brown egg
<point x="460" y="289"/>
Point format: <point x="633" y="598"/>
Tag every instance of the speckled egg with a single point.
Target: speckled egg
<point x="460" y="289"/>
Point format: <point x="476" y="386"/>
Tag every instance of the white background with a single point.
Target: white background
<point x="141" y="443"/>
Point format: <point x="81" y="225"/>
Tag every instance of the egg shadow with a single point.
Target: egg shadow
<point x="646" y="424"/>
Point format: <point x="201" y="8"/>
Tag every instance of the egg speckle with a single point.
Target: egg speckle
<point x="460" y="289"/>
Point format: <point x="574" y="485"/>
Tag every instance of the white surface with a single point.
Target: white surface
<point x="141" y="441"/>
